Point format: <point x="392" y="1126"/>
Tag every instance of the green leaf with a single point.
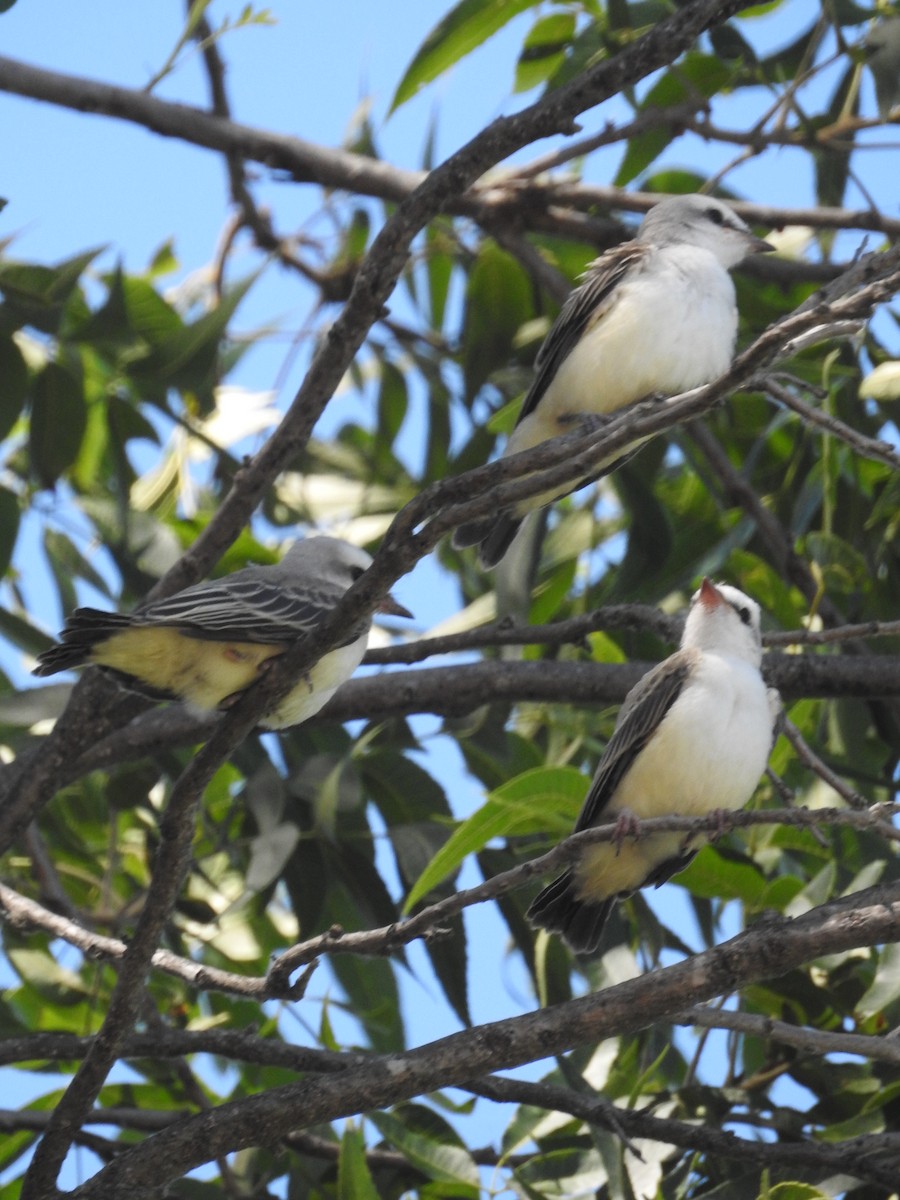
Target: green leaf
<point x="463" y="29"/>
<point x="564" y="1173"/>
<point x="714" y="875"/>
<point x="374" y="1000"/>
<point x="696" y="74"/>
<point x="547" y="798"/>
<point x="13" y="384"/>
<point x="9" y="526"/>
<point x="833" y="160"/>
<point x="354" y="1178"/>
<point x="498" y="302"/>
<point x="66" y="558"/>
<point x="186" y="357"/>
<point x="843" y="567"/>
<point x="793" y="1191"/>
<point x="36" y="295"/>
<point x="885" y="987"/>
<point x="544" y="50"/>
<point x="58" y="421"/>
<point x="440" y="263"/>
<point x="439" y="1160"/>
<point x="22" y="633"/>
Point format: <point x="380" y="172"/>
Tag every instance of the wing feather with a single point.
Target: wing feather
<point x="639" y="718"/>
<point x="249" y="609"/>
<point x="586" y="304"/>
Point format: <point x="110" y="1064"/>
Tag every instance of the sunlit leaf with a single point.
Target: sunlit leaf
<point x="463" y="29"/>
<point x="543" y="49"/>
<point x="542" y="800"/>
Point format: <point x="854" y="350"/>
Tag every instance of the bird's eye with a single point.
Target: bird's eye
<point x="745" y="615"/>
<point x="357" y="573"/>
<point x="716" y="216"/>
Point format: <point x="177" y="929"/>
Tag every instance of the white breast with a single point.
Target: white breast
<point x="317" y="687"/>
<point x="708" y="754"/>
<point x="671" y="327"/>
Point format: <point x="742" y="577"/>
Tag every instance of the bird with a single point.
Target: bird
<point x="656" y="315"/>
<point x="692" y="739"/>
<point x="208" y="643"/>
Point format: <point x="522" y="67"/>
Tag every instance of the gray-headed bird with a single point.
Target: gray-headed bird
<point x="654" y="316"/>
<point x="691" y="739"/>
<point x="207" y="644"/>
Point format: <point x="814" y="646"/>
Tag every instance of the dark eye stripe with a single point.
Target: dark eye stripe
<point x="744" y="613"/>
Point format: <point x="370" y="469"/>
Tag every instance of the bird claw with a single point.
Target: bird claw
<point x="720" y="817"/>
<point x="627" y="825"/>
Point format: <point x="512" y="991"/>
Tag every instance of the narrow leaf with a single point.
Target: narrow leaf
<point x="463" y="29"/>
<point x="541" y="799"/>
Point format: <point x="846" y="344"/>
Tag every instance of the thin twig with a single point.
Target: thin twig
<point x="810" y="759"/>
<point x="878" y="450"/>
<point x="812" y="1041"/>
<point x="688" y="1135"/>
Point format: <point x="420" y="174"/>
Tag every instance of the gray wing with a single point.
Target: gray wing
<point x="245" y="607"/>
<point x="644" y="708"/>
<point x="582" y="306"/>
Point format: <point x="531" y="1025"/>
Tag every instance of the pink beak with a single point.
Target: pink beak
<point x="393" y="607"/>
<point x="709" y="594"/>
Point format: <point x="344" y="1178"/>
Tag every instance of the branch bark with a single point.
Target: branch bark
<point x="767" y="950"/>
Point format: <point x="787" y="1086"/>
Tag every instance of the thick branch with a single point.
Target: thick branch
<point x="22" y="913"/>
<point x="533" y="201"/>
<point x="856" y="1160"/>
<point x="465" y="687"/>
<point x="768" y="950"/>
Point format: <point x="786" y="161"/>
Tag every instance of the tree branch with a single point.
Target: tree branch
<point x="767" y="950"/>
<point x="857" y="1160"/>
<point x="812" y="1041"/>
<point x="554" y="113"/>
<point x="22" y="913"/>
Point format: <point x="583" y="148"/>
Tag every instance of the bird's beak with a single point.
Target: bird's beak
<point x="759" y="245"/>
<point x="709" y="595"/>
<point x="393" y="607"/>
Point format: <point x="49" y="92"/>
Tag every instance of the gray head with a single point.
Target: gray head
<point x="701" y="221"/>
<point x="724" y="620"/>
<point x="332" y="561"/>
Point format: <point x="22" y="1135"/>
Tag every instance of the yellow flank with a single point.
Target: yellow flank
<point x="602" y="873"/>
<point x="201" y="672"/>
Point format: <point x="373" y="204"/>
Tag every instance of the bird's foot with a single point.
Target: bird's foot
<point x="627" y="826"/>
<point x="720" y="817"/>
<point x="268" y="663"/>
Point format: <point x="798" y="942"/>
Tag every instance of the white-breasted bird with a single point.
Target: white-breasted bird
<point x="692" y="738"/>
<point x="656" y="315"/>
<point x="207" y="644"/>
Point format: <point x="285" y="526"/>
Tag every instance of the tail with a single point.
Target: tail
<point x="492" y="535"/>
<point x="579" y="922"/>
<point x="85" y="628"/>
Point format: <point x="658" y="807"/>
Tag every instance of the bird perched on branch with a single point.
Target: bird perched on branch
<point x="656" y="315"/>
<point x="691" y="739"/>
<point x="207" y="644"/>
